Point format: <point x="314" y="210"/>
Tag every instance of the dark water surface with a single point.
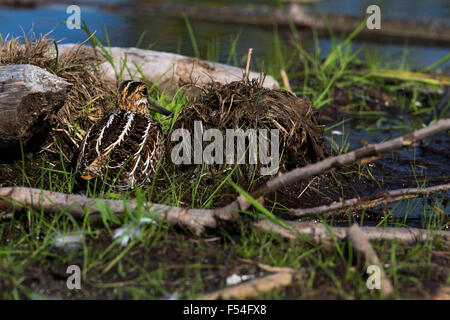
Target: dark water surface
<point x="125" y="25"/>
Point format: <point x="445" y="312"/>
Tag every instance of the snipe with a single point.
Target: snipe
<point x="124" y="147"/>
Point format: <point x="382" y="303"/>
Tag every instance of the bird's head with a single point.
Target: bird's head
<point x="133" y="96"/>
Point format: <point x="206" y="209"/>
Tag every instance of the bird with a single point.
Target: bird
<point x="124" y="147"/>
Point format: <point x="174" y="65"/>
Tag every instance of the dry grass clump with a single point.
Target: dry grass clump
<point x="247" y="105"/>
<point x="88" y="98"/>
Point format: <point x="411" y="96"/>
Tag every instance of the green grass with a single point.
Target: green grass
<point x="164" y="262"/>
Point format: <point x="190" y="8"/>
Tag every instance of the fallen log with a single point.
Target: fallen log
<point x="253" y="288"/>
<point x="442" y="294"/>
<point x="196" y="221"/>
<point x="29" y="98"/>
<point x="169" y="70"/>
<point x="322" y="234"/>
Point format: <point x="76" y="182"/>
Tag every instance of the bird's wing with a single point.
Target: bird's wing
<point x="121" y="137"/>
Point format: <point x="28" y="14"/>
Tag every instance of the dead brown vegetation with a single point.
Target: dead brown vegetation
<point x="88" y="99"/>
<point x="247" y="105"/>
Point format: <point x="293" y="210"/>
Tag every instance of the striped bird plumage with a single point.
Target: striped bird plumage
<point x="124" y="147"/>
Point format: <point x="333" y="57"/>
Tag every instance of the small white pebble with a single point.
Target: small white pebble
<point x="146" y="220"/>
<point x="69" y="241"/>
<point x="236" y="279"/>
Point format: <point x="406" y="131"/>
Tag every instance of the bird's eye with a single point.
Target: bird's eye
<point x="144" y="91"/>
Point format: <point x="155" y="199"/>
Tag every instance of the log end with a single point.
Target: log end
<point x="30" y="98"/>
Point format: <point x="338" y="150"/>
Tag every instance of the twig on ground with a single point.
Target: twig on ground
<point x="269" y="268"/>
<point x="320" y="233"/>
<point x="282" y="277"/>
<point x="196" y="220"/>
<point x="361" y="244"/>
<point x="253" y="288"/>
<point x="285" y="79"/>
<point x="371" y="201"/>
<point x="247" y="66"/>
<point x="442" y="294"/>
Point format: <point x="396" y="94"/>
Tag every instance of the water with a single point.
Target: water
<point x="124" y="28"/>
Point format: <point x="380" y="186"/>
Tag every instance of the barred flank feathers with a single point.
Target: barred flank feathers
<point x="132" y="144"/>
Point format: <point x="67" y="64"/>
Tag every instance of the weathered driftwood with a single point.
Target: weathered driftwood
<point x="371" y="201"/>
<point x="195" y="220"/>
<point x="360" y="243"/>
<point x="270" y="268"/>
<point x="320" y="233"/>
<point x="29" y="97"/>
<point x="442" y="294"/>
<point x="170" y="70"/>
<point x="253" y="288"/>
<point x="282" y="277"/>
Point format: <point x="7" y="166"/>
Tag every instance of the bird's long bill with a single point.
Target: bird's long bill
<point x="154" y="107"/>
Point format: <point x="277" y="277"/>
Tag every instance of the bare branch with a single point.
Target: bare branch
<point x="442" y="294"/>
<point x="285" y="79"/>
<point x="270" y="268"/>
<point x="196" y="220"/>
<point x="371" y="201"/>
<point x="368" y="151"/>
<point x="253" y="288"/>
<point x="320" y="233"/>
<point x="247" y="66"/>
<point x="360" y="243"/>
